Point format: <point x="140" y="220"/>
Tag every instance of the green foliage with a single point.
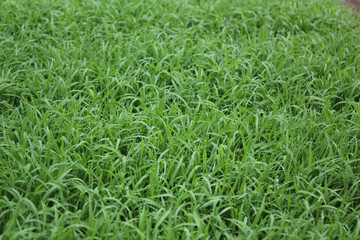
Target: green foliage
<point x="213" y="119"/>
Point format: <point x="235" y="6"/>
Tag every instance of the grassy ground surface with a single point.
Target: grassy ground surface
<point x="179" y="120"/>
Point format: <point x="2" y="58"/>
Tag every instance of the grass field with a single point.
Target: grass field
<point x="179" y="119"/>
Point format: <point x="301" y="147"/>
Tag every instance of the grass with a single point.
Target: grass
<point x="185" y="119"/>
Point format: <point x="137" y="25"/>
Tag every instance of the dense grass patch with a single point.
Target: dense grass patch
<point x="179" y="119"/>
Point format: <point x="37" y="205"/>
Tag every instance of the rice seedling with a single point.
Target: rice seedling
<point x="188" y="119"/>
